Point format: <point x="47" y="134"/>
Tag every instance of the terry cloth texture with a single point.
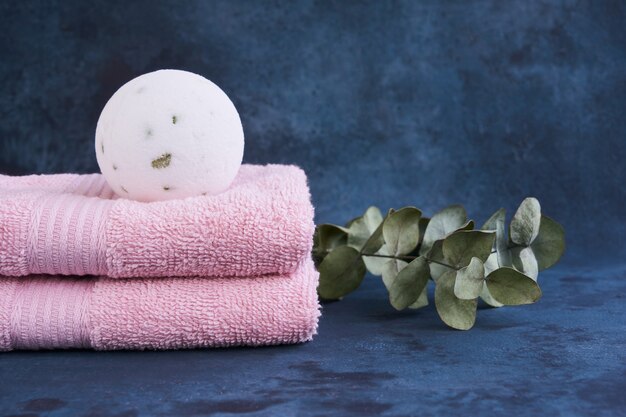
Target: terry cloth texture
<point x="40" y="312"/>
<point x="69" y="224"/>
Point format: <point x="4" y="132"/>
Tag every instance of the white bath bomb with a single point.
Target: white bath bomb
<point x="169" y="134"/>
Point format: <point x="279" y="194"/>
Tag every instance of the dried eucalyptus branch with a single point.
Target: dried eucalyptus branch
<point x="408" y="250"/>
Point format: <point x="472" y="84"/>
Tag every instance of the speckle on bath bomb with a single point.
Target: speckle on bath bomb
<point x="169" y="134"/>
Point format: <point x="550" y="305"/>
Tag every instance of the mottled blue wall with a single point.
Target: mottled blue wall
<point x="389" y="103"/>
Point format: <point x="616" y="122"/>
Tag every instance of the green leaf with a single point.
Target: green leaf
<point x="549" y="245"/>
<point x="326" y="238"/>
<point x="491" y="264"/>
<point x="422" y="227"/>
<point x="409" y="284"/>
<point x="486" y="296"/>
<point x="456" y="313"/>
<point x="375" y="264"/>
<point x="511" y="287"/>
<point x="502" y="257"/>
<point x="401" y="230"/>
<point x="422" y="300"/>
<point x="435" y="254"/>
<point x="375" y="242"/>
<point x="391" y="269"/>
<point x="441" y="224"/>
<point x="468" y="225"/>
<point x="469" y="280"/>
<point x="341" y="272"/>
<point x="364" y="227"/>
<point x="497" y="223"/>
<point x="459" y="247"/>
<point x="330" y="236"/>
<point x="524" y="261"/>
<point x="524" y="226"/>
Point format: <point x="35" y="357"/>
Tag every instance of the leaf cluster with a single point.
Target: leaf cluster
<point x="408" y="250"/>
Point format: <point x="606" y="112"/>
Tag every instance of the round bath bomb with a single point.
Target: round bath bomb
<point x="169" y="134"/>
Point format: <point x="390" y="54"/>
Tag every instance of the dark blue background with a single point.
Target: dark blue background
<point x="423" y="103"/>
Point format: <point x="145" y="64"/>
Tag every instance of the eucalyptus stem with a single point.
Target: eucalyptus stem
<point x="378" y="255"/>
<point x="510" y="279"/>
<point x="410" y="258"/>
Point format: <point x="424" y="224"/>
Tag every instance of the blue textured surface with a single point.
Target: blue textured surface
<point x="389" y="103"/>
<point x="564" y="356"/>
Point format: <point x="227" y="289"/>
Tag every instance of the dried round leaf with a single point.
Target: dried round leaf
<point x="511" y="287"/>
<point x="456" y="313"/>
<point x="341" y="272"/>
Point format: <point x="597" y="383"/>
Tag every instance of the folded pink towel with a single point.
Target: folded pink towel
<point x="71" y="224"/>
<point x="158" y="313"/>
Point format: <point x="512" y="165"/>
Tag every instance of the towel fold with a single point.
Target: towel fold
<point x="69" y="224"/>
<point x="158" y="313"/>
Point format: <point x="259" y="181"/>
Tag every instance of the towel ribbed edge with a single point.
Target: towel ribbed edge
<point x="51" y="313"/>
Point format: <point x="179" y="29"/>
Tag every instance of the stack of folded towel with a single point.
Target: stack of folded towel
<point x="80" y="268"/>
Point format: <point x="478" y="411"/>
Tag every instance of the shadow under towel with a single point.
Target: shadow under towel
<point x="68" y="224"/>
<point x="158" y="313"/>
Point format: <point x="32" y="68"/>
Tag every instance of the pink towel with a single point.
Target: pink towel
<point x="158" y="313"/>
<point x="71" y="224"/>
